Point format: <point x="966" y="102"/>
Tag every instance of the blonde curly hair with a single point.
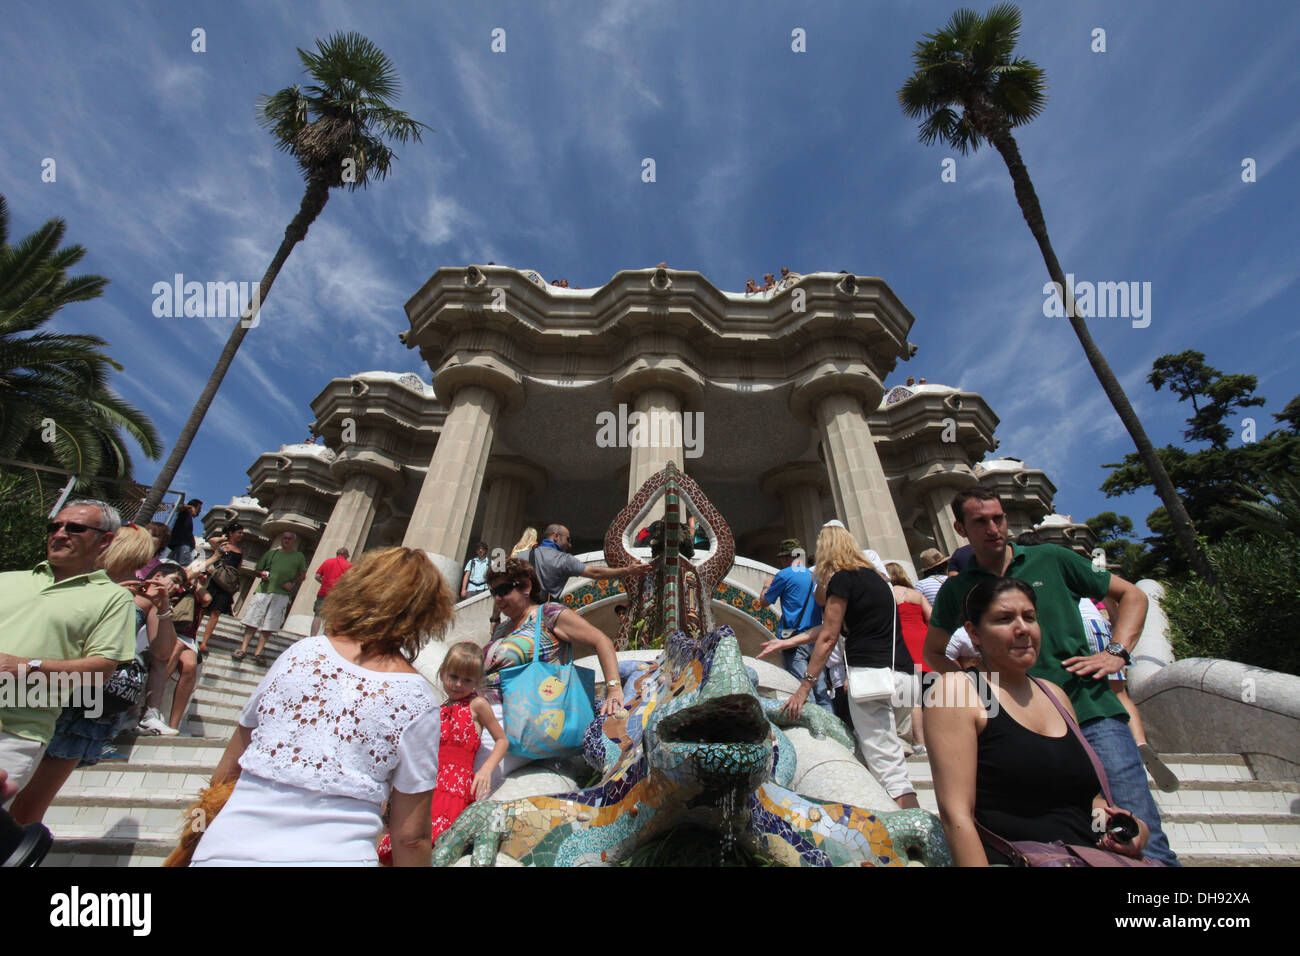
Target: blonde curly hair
<point x="837" y="550"/>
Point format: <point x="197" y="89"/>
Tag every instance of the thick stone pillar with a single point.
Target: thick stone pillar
<point x="348" y="527"/>
<point x="800" y="487"/>
<point x="440" y="523"/>
<point x="510" y="482"/>
<point x="855" y="467"/>
<point x="661" y="438"/>
<point x="938" y="508"/>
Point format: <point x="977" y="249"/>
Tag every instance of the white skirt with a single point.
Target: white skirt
<point x="265" y="823"/>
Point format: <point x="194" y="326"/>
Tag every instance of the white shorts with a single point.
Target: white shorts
<point x="19" y="758"/>
<point x="266" y="612"/>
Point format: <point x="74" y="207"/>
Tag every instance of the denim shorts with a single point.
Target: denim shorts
<point x="78" y="737"/>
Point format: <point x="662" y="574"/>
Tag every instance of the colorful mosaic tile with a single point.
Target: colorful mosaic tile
<point x="694" y="744"/>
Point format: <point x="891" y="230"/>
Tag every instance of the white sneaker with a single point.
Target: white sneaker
<point x="152" y="723"/>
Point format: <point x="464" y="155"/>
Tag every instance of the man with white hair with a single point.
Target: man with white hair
<point x="63" y="620"/>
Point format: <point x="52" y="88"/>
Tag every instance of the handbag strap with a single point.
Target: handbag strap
<point x="537" y="631"/>
<point x="1078" y="735"/>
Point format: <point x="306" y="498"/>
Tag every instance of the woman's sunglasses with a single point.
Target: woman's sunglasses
<point x="501" y="590"/>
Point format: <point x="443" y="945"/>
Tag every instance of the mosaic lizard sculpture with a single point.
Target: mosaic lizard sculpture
<point x="695" y="745"/>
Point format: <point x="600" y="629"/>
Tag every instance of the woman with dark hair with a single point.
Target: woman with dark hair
<point x="341" y="723"/>
<point x="1003" y="756"/>
<point x="519" y="599"/>
<point x="227" y="553"/>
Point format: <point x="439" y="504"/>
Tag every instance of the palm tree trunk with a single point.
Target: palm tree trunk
<point x="1005" y="144"/>
<point x="313" y="201"/>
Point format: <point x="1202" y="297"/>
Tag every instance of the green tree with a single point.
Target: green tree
<point x="1211" y="480"/>
<point x="1271" y="514"/>
<point x="56" y="406"/>
<point x="1214" y="396"/>
<point x="1261" y="578"/>
<point x="336" y="129"/>
<point x="1115" y="536"/>
<point x="970" y="64"/>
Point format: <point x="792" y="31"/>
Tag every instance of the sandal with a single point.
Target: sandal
<point x="238" y="655"/>
<point x="260" y="659"/>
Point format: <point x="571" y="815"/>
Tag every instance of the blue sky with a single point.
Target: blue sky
<point x="764" y="157"/>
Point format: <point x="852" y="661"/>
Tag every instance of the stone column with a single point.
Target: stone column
<point x="440" y="523"/>
<point x="348" y="527"/>
<point x="661" y="441"/>
<point x="938" y="508"/>
<point x="800" y="487"/>
<point x="868" y="505"/>
<point x="510" y="482"/>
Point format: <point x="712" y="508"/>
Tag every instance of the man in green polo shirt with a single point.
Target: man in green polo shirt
<point x="64" y="620"/>
<point x="281" y="569"/>
<point x="1059" y="578"/>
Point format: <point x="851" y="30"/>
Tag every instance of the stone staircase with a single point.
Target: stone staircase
<point x="129" y="812"/>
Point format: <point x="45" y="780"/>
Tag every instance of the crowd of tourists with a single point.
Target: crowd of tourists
<point x="989" y="666"/>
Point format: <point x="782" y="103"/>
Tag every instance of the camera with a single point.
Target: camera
<point x="22" y="845"/>
<point x="1122" y="828"/>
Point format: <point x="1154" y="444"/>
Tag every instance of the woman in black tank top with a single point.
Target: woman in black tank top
<point x="1002" y="754"/>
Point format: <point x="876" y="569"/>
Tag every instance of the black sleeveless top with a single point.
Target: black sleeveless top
<point x="1029" y="786"/>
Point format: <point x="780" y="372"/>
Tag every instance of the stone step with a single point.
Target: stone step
<point x="214" y="676"/>
<point x="1219" y="855"/>
<point x="214" y="710"/>
<point x="160" y="825"/>
<point x="1187" y="767"/>
<point x="108" y="853"/>
<point x="221" y="697"/>
<point x="134" y="785"/>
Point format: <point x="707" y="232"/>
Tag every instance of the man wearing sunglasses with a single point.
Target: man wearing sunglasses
<point x="64" y="617"/>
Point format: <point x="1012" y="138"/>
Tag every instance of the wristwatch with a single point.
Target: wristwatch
<point x="34" y="664"/>
<point x="1119" y="650"/>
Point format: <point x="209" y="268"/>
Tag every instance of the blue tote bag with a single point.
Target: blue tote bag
<point x="546" y="706"/>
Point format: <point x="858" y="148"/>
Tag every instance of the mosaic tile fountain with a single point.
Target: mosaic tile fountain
<point x="696" y="746"/>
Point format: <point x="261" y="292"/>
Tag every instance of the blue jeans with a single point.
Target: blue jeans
<point x="796" y="662"/>
<point x="183" y="554"/>
<point x="1111" y="738"/>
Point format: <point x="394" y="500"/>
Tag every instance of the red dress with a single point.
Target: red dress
<point x="914" y="629"/>
<point x="456" y="751"/>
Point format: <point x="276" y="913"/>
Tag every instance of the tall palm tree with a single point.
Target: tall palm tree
<point x="336" y="130"/>
<point x="970" y="64"/>
<point x="55" y="403"/>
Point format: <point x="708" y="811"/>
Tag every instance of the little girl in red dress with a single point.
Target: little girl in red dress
<point x="463" y="716"/>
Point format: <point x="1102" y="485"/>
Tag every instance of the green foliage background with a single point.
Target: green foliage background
<point x="22" y="521"/>
<point x="1261" y="578"/>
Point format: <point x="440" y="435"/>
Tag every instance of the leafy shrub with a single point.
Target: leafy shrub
<point x="1261" y="578"/>
<point x="22" y="521"/>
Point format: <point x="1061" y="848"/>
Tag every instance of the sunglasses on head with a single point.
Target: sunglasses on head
<point x="72" y="527"/>
<point x="501" y="590"/>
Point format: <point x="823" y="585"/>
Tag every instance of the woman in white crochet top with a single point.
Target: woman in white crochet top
<point x="341" y="723"/>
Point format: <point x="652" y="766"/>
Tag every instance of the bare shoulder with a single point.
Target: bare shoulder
<point x="955" y="691"/>
<point x="1059" y="693"/>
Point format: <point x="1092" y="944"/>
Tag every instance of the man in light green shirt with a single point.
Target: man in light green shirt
<point x="281" y="569"/>
<point x="62" y="621"/>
